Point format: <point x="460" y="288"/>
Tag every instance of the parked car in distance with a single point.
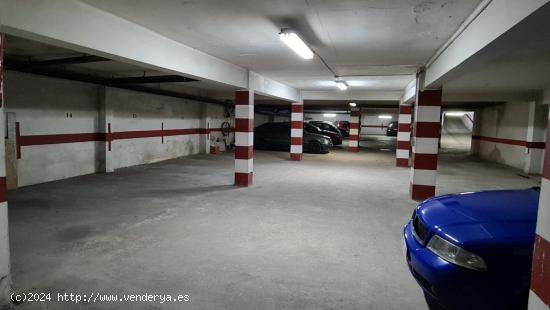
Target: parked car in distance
<point x="328" y="126"/>
<point x="343" y="126"/>
<point x="336" y="137"/>
<point x="276" y="136"/>
<point x="474" y="250"/>
<point x="392" y="129"/>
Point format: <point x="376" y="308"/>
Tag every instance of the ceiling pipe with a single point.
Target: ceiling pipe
<point x="478" y="10"/>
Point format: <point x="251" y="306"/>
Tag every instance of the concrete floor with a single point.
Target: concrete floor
<point x="324" y="233"/>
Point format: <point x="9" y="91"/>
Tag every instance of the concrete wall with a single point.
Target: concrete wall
<point x="320" y="117"/>
<point x="53" y="108"/>
<point x="45" y="106"/>
<point x="501" y="134"/>
<point x="371" y="124"/>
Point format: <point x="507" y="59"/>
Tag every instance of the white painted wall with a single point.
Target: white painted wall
<point x="369" y="119"/>
<point x="508" y="121"/>
<point x="41" y="106"/>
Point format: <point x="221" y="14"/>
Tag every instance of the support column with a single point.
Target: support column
<point x="536" y="133"/>
<point x="354" y="130"/>
<point x="427" y="127"/>
<point x="204" y="124"/>
<point x="5" y="278"/>
<point x="403" y="136"/>
<point x="539" y="297"/>
<point x="297" y="130"/>
<point x="244" y="137"/>
<point x="105" y="158"/>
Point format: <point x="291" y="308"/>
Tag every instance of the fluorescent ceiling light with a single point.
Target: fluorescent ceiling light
<point x="329" y="115"/>
<point x="385" y="116"/>
<point x="455" y="113"/>
<point x="352" y="104"/>
<point x="292" y="40"/>
<point x="342" y="85"/>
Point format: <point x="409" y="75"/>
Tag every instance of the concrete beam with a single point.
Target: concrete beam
<point x="353" y="95"/>
<point x="488" y="22"/>
<point x="409" y="94"/>
<point x="271" y="88"/>
<point x="84" y="28"/>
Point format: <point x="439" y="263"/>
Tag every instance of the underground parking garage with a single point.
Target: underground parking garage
<point x="275" y="154"/>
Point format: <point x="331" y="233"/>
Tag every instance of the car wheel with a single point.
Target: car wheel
<point x="315" y="147"/>
<point x="432" y="303"/>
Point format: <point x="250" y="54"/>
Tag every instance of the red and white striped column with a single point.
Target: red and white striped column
<point x="296" y="130"/>
<point x="539" y="297"/>
<point x="354" y="128"/>
<point x="402" y="151"/>
<point x="425" y="144"/>
<point x="5" y="282"/>
<point x="244" y="137"/>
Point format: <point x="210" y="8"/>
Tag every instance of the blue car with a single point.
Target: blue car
<point x="474" y="250"/>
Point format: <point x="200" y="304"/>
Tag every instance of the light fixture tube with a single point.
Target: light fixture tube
<point x="342" y="85"/>
<point x="292" y="40"/>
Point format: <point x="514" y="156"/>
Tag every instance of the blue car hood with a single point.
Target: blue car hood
<point x="505" y="216"/>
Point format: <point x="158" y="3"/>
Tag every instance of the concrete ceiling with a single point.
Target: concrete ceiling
<point x="368" y="39"/>
<point x="515" y="65"/>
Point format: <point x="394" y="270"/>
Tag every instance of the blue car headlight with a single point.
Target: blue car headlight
<point x="455" y="254"/>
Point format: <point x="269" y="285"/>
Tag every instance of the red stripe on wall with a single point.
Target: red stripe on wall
<point x="353" y="125"/>
<point x="353" y="138"/>
<point x="540" y="277"/>
<point x="531" y="145"/>
<point x="60" y="138"/>
<point x="3" y="190"/>
<point x="102" y="137"/>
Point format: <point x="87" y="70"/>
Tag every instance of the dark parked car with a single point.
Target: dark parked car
<point x="474" y="250"/>
<point x="336" y="137"/>
<point x="328" y="126"/>
<point x="276" y="136"/>
<point x="392" y="129"/>
<point x="343" y="126"/>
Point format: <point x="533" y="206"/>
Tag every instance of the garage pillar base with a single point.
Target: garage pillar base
<point x="402" y="162"/>
<point x="354" y="130"/>
<point x="422" y="192"/>
<point x="243" y="179"/>
<point x="295" y="157"/>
